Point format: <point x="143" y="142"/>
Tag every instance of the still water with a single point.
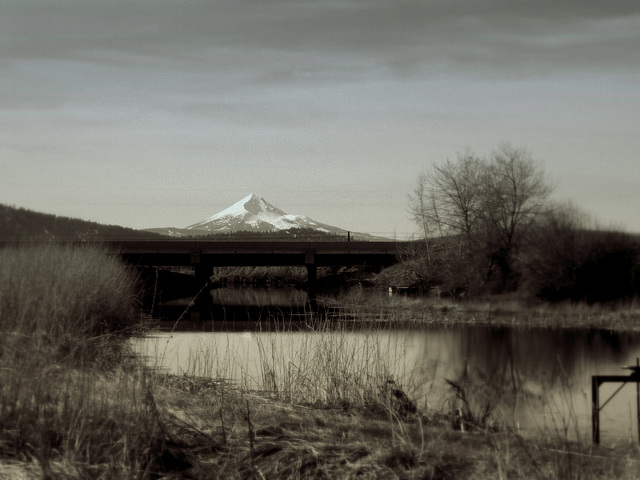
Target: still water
<point x="537" y="380"/>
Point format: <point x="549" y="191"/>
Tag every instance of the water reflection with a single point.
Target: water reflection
<point x="281" y="297"/>
<point x="235" y="308"/>
<point x="541" y="378"/>
<point x="538" y="378"/>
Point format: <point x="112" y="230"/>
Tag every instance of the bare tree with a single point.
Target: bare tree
<point x="485" y="205"/>
<point x="446" y="204"/>
<point x="516" y="193"/>
<point x="418" y="202"/>
<point x="447" y="199"/>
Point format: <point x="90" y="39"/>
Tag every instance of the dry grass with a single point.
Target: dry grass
<point x="61" y="302"/>
<point x="233" y="434"/>
<point x="73" y="406"/>
<point x="326" y="409"/>
<point x="317" y="363"/>
<point x="496" y="311"/>
<point x="259" y="275"/>
<point x="72" y="403"/>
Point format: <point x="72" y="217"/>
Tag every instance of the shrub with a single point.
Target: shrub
<point x="67" y="408"/>
<point x="564" y="260"/>
<point x="60" y="302"/>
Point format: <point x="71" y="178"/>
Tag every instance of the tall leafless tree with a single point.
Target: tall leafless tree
<point x="516" y="194"/>
<point x="485" y="205"/>
<point x="447" y="199"/>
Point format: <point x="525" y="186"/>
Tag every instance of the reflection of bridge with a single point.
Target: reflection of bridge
<point x="204" y="255"/>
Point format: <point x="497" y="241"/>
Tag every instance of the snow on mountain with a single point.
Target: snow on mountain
<point x="254" y="214"/>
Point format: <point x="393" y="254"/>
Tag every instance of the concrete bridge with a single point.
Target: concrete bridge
<point x="204" y="255"/>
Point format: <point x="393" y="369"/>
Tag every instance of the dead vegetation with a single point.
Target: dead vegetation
<point x="74" y="405"/>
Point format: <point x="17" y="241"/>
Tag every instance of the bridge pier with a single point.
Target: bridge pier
<point x="312" y="275"/>
<point x="312" y="268"/>
<point x="312" y="278"/>
<point x="312" y="282"/>
<point x="202" y="274"/>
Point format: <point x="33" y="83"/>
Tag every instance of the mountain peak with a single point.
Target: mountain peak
<point x="249" y="198"/>
<point x="251" y="210"/>
<point x="252" y="213"/>
<point x="254" y="205"/>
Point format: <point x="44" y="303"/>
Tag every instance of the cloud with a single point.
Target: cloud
<point x="402" y="37"/>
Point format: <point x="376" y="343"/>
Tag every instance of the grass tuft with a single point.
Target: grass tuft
<point x="72" y="402"/>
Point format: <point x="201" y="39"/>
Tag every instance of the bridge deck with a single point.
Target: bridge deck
<point x="258" y="253"/>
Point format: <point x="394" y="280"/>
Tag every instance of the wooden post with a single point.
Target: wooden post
<point x="595" y="414"/>
<point x="638" y="399"/>
<point x="597" y="380"/>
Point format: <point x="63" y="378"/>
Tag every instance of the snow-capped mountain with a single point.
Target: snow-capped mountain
<point x="253" y="214"/>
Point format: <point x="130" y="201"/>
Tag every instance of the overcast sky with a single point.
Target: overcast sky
<point x="151" y="113"/>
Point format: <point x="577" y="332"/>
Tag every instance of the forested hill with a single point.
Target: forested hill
<point x="20" y="224"/>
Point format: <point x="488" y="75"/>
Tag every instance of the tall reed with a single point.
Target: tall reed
<point x="71" y="403"/>
<point x="59" y="302"/>
<point x="330" y="362"/>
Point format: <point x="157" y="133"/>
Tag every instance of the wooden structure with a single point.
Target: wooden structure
<point x="597" y="380"/>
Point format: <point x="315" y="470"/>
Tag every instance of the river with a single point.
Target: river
<point x="536" y="380"/>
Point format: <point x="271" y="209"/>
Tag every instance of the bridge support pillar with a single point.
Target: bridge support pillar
<point x="203" y="298"/>
<point x="312" y="268"/>
<point x="202" y="274"/>
<point x="312" y="275"/>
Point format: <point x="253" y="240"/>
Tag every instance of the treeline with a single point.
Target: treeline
<point x="19" y="224"/>
<point x="274" y="235"/>
<point x="564" y="258"/>
<point x="489" y="227"/>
